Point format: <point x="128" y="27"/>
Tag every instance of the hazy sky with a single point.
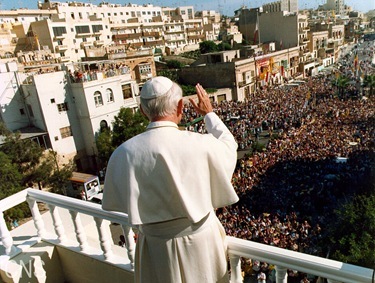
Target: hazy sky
<point x="225" y="7"/>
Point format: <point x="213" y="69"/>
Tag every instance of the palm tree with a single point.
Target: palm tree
<point x="369" y="81"/>
<point x="341" y="83"/>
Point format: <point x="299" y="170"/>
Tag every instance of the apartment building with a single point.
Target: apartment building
<point x="70" y="29"/>
<point x="65" y="106"/>
<point x="242" y="76"/>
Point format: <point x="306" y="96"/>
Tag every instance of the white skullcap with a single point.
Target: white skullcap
<point x="155" y="87"/>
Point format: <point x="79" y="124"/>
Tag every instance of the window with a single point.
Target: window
<point x="109" y="93"/>
<point x="103" y="125"/>
<point x="62" y="106"/>
<point x="52" y="100"/>
<point x="22" y="111"/>
<point x="98" y="98"/>
<point x="126" y="91"/>
<point x="82" y="29"/>
<point x="66" y="132"/>
<point x="97" y="37"/>
<point x="144" y="69"/>
<point x="58" y="31"/>
<point x="97" y="28"/>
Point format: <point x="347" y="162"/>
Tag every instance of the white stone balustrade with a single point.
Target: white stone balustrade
<point x="283" y="259"/>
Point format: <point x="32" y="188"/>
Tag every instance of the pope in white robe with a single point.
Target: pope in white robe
<point x="169" y="182"/>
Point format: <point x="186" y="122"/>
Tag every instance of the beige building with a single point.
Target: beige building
<point x="226" y="69"/>
<point x="73" y="30"/>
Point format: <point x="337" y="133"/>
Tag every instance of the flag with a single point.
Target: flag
<point x="356" y="65"/>
<point x="256" y="30"/>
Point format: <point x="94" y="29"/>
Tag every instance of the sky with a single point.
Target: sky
<point x="225" y="7"/>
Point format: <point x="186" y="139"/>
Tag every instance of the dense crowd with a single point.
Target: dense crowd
<point x="320" y="148"/>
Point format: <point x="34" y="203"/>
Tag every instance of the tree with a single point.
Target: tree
<point x="25" y="153"/>
<point x="175" y="64"/>
<point x="341" y="83"/>
<point x="222" y="46"/>
<point x="127" y="124"/>
<point x="369" y="81"/>
<point x="169" y="73"/>
<point x="10" y="177"/>
<point x="207" y="47"/>
<point x="352" y="233"/>
<point x="104" y="146"/>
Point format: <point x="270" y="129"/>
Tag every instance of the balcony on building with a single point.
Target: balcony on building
<point x="85" y="75"/>
<point x="98" y="42"/>
<point x="195" y="36"/>
<point x="86" y="44"/>
<point x="59" y="37"/>
<point x="194" y="29"/>
<point x="126" y="36"/>
<point x="60" y="48"/>
<point x="152" y="43"/>
<point x="155" y="34"/>
<point x="64" y="59"/>
<point x="71" y="240"/>
<point x="246" y="82"/>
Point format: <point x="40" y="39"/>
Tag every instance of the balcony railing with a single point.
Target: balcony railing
<point x="283" y="259"/>
<point x="60" y="48"/>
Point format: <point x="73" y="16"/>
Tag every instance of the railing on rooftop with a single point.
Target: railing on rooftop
<point x="283" y="259"/>
<point x="89" y="76"/>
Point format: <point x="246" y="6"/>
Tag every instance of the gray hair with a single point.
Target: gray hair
<point x="164" y="105"/>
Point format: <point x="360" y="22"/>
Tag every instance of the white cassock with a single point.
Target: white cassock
<point x="169" y="182"/>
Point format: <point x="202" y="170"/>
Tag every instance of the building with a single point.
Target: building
<point x="68" y="105"/>
<point x="242" y="75"/>
<point x="71" y="29"/>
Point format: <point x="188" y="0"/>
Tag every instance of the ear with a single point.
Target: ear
<point x="143" y="113"/>
<point x="180" y="106"/>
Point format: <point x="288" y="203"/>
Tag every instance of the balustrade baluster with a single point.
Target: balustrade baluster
<point x="129" y="242"/>
<point x="281" y="274"/>
<point x="235" y="266"/>
<point x="79" y="230"/>
<point x="57" y="223"/>
<point x="105" y="240"/>
<point x="6" y="237"/>
<point x="38" y="220"/>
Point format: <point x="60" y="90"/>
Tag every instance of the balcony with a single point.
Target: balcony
<point x="153" y="43"/>
<point x="59" y="37"/>
<point x="60" y="48"/>
<point x="125" y="36"/>
<point x="76" y="242"/>
<point x="195" y="36"/>
<point x="99" y="42"/>
<point x="155" y="34"/>
<point x="244" y="83"/>
<point x="194" y="29"/>
<point x="64" y="59"/>
<point x="85" y="44"/>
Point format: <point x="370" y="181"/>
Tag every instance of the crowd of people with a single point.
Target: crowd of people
<point x="320" y="148"/>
